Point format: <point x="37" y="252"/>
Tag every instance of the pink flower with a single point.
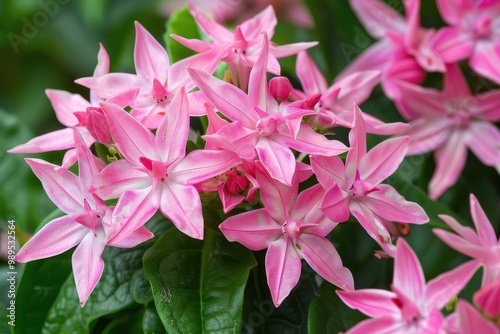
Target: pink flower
<point x="237" y="11"/>
<point x="335" y="104"/>
<point x="243" y="46"/>
<point x="487" y="298"/>
<point x="356" y="186"/>
<point x="261" y="128"/>
<point x="404" y="49"/>
<point x="449" y="122"/>
<point x="157" y="81"/>
<point x="87" y="223"/>
<point x="291" y="228"/>
<point x="156" y="173"/>
<point x="473" y="34"/>
<point x="412" y="306"/>
<point x="481" y="245"/>
<point x="73" y="111"/>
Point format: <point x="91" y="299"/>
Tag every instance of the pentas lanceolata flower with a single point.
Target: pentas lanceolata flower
<point x="473" y="34"/>
<point x="412" y="306"/>
<point x="356" y="186"/>
<point x="265" y="148"/>
<point x="448" y="122"/>
<point x="404" y="50"/>
<point x="88" y="222"/>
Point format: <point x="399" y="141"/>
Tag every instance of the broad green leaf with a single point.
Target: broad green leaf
<point x="198" y="285"/>
<point x="38" y="289"/>
<point x="183" y="24"/>
<point x="328" y="314"/>
<point x="151" y="323"/>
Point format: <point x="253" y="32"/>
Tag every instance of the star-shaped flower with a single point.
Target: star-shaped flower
<point x="356" y="186"/>
<point x="412" y="307"/>
<point x="291" y="228"/>
<point x="448" y="122"/>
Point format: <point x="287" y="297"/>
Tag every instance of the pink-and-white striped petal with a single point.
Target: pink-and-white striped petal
<point x="283" y="267"/>
<point x="254" y="229"/>
<point x="56" y="237"/>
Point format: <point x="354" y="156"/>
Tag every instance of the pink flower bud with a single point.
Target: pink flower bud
<point x="97" y="125"/>
<point x="280" y="88"/>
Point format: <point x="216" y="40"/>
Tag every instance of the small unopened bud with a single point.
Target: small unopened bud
<point x="97" y="125"/>
<point x="280" y="87"/>
<point x="311" y="101"/>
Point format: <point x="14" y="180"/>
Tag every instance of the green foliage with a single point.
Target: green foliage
<point x="198" y="285"/>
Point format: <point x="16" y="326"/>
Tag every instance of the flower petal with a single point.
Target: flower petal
<point x="484" y="228"/>
<point x="485" y="60"/>
<point x="133" y="210"/>
<point x="56" y="237"/>
<point x="50" y="141"/>
<point x="310" y="76"/>
<point x="258" y="88"/>
<point x="309" y="141"/>
<point x="254" y="229"/>
<point x="383" y="160"/>
<point x="182" y="205"/>
<point x="277" y="159"/>
<point x="470" y="320"/>
<point x="373" y="226"/>
<point x="389" y="204"/>
<point x="427" y="134"/>
<point x="450" y="160"/>
<point x="65" y="104"/>
<point x="377" y="17"/>
<point x="408" y="274"/>
<point x="173" y="130"/>
<point x="87" y="264"/>
<point x="283" y="267"/>
<point x="329" y="170"/>
<point x="150" y="57"/>
<point x="372" y="302"/>
<point x="118" y="177"/>
<point x="132" y="138"/>
<point x="277" y="197"/>
<point x="62" y="186"/>
<point x="483" y="139"/>
<point x="335" y="204"/>
<point x="200" y="165"/>
<point x="453" y="44"/>
<point x="322" y="256"/>
<point x="444" y="287"/>
<point x="111" y="84"/>
<point x="227" y="98"/>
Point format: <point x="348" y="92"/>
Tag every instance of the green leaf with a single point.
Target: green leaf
<point x="38" y="289"/>
<point x="151" y="323"/>
<point x="198" y="285"/>
<point x="328" y="314"/>
<point x="47" y="301"/>
<point x="183" y="24"/>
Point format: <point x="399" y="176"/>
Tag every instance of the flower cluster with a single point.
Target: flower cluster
<point x="267" y="147"/>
